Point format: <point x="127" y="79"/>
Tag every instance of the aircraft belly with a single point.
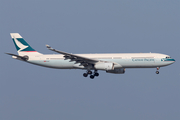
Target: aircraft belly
<point x="59" y="64"/>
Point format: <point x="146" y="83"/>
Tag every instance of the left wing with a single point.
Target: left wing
<point x="78" y="59"/>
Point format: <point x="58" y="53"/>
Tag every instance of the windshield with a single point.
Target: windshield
<point x="168" y="57"/>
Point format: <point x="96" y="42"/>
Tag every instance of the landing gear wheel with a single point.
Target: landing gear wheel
<point x="157" y="72"/>
<point x="92" y="76"/>
<point x="96" y="74"/>
<point x="85" y="74"/>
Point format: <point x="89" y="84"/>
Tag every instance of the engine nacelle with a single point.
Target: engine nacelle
<point x="117" y="71"/>
<point x="104" y="66"/>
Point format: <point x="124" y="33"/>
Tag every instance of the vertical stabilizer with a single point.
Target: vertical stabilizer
<point x="23" y="48"/>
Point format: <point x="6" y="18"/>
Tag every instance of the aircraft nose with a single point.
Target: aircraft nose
<point x="169" y="60"/>
<point x="173" y="60"/>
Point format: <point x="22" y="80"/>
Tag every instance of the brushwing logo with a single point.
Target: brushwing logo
<point x="20" y="45"/>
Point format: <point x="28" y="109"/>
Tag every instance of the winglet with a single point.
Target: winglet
<point x="48" y="46"/>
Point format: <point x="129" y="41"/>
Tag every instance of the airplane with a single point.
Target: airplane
<point x="111" y="63"/>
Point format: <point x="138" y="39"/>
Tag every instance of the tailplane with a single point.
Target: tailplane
<point x="23" y="48"/>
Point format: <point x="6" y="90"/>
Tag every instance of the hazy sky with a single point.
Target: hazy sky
<point x="29" y="92"/>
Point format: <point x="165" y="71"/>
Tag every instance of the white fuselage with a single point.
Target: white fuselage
<point x="111" y="63"/>
<point x="125" y="60"/>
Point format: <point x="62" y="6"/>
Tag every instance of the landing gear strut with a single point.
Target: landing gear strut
<point x="88" y="72"/>
<point x="91" y="74"/>
<point x="157" y="72"/>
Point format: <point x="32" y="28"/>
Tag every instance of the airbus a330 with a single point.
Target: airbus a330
<point x="111" y="63"/>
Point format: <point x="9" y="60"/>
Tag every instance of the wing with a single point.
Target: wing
<point x="78" y="59"/>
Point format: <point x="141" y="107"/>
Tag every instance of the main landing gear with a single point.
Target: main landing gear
<point x="92" y="75"/>
<point x="157" y="72"/>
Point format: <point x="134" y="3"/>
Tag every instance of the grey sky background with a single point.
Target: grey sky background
<point x="29" y="92"/>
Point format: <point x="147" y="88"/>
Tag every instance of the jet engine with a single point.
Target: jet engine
<point x="104" y="66"/>
<point x="117" y="71"/>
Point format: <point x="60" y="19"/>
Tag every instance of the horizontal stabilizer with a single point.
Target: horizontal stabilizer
<point x="24" y="58"/>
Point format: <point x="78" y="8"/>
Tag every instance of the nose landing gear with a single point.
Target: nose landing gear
<point x="157" y="72"/>
<point x="91" y="75"/>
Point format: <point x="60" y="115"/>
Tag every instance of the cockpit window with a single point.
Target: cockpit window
<point x="168" y="57"/>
